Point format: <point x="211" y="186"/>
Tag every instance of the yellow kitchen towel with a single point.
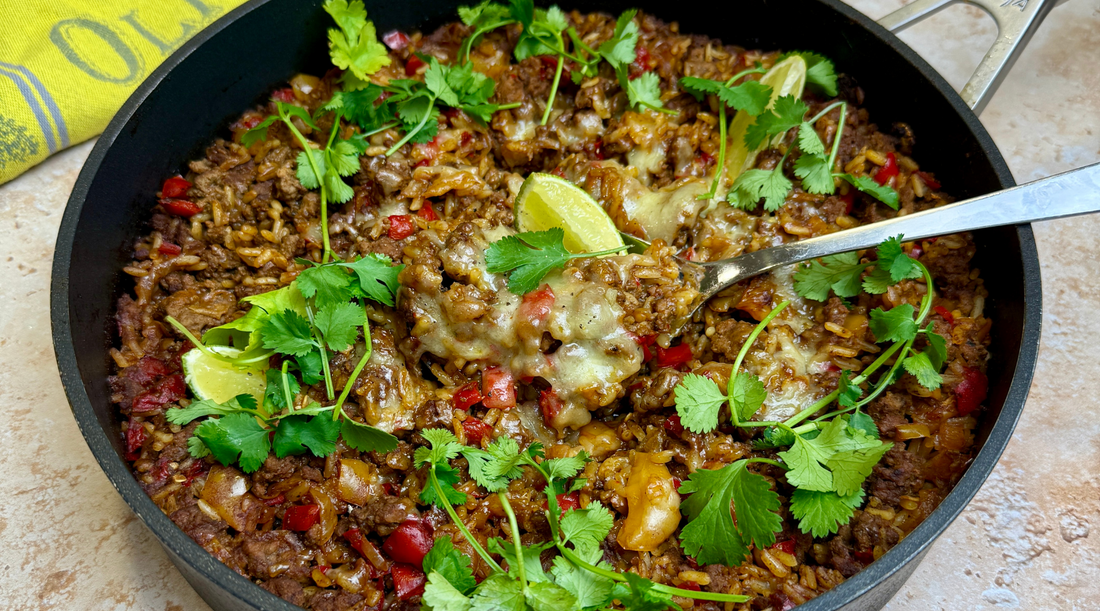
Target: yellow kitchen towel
<point x="66" y="66"/>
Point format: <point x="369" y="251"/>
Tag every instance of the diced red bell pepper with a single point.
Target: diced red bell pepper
<point x="408" y="581"/>
<point x="355" y="539"/>
<point x="285" y="95"/>
<point x="427" y="213"/>
<point x="168" y="248"/>
<point x="888" y="171"/>
<point x="641" y="62"/>
<point x="674" y="426"/>
<point x="691" y="585"/>
<point x="785" y="546"/>
<point x="401" y="226"/>
<point x="275" y="501"/>
<point x="673" y="356"/>
<point x="550" y="405"/>
<point x="171" y="388"/>
<point x="928" y="180"/>
<point x="864" y="556"/>
<point x="135" y="437"/>
<point x="498" y="388"/>
<point x="568" y="501"/>
<point x="476" y="430"/>
<point x="301" y="517"/>
<point x="970" y="393"/>
<point x="559" y="172"/>
<point x="175" y="187"/>
<point x="147" y="370"/>
<point x="250" y="122"/>
<point x="180" y="207"/>
<point x="412" y="65"/>
<point x="645" y="343"/>
<point x="410" y="542"/>
<point x="467" y="397"/>
<point x="849" y="200"/>
<point x="676" y="483"/>
<point x="395" y="40"/>
<point x="536" y="305"/>
<point x="197" y="468"/>
<point x="946" y="314"/>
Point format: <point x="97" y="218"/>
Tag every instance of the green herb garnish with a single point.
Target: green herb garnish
<point x="530" y="255"/>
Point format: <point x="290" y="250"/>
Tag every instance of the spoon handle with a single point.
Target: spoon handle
<point x="1067" y="194"/>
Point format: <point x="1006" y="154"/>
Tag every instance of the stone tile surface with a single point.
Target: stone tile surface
<point x="68" y="542"/>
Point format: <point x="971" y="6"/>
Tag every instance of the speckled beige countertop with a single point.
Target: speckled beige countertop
<point x="68" y="542"/>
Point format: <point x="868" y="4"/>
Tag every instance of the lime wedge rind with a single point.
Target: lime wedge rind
<point x="546" y="201"/>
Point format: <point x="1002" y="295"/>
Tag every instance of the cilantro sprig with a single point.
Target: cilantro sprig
<point x="579" y="577"/>
<point x="530" y="255"/>
<point x="323" y="309"/>
<point x="827" y="459"/>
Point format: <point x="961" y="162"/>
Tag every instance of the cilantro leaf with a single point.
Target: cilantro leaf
<point x="498" y="593"/>
<point x="937" y="347"/>
<point x="274" y="396"/>
<point x="309" y="365"/>
<point x="288" y="333"/>
<point x="451" y="564"/>
<point x="839" y="273"/>
<point x="862" y="422"/>
<point x="815" y="173"/>
<point x="531" y="564"/>
<point x="787" y="112"/>
<point x="644" y="90"/>
<point x="209" y="407"/>
<point x="492" y="469"/>
<point x="366" y="438"/>
<point x="698" y="401"/>
<point x="851" y="467"/>
<point x="809" y="141"/>
<point x="339" y="324"/>
<point x="920" y="365"/>
<point x="894" y="325"/>
<point x="528" y="256"/>
<point x="806" y="462"/>
<point x="305" y="173"/>
<point x="640" y="595"/>
<point x="259" y="132"/>
<point x="547" y="596"/>
<point x="849" y="393"/>
<point x="820" y="72"/>
<point x="892" y="259"/>
<point x="273" y="302"/>
<point x="590" y="590"/>
<point x="485" y="12"/>
<point x="444" y="447"/>
<point x="236" y="438"/>
<point x="377" y="277"/>
<point x="448" y="479"/>
<point x="196" y="447"/>
<point x="747" y="394"/>
<point x="566" y="467"/>
<point x="296" y="433"/>
<point x="867" y="185"/>
<point x="328" y="284"/>
<point x="354" y="46"/>
<point x="823" y="513"/>
<point x="441" y="595"/>
<point x="619" y="49"/>
<point x="753" y="185"/>
<point x="711" y="535"/>
<point x="587" y="528"/>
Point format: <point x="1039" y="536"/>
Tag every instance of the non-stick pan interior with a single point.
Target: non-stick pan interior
<point x="235" y="64"/>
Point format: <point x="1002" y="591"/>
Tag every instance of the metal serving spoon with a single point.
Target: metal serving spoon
<point x="1067" y="194"/>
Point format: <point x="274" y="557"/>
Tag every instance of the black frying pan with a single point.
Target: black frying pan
<point x="235" y="63"/>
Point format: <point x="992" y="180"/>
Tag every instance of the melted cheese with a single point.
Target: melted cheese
<point x="586" y="371"/>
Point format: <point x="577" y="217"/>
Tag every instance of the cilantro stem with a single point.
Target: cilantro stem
<point x="324" y="353"/>
<point x="415" y="130"/>
<point x="339" y="407"/>
<point x="554" y="86"/>
<point x="744" y="73"/>
<point x="308" y="149"/>
<point x="837" y="136"/>
<point x="469" y="42"/>
<point x="239" y="362"/>
<point x="378" y="130"/>
<point x="286" y="387"/>
<point x="767" y="461"/>
<point x="458" y="523"/>
<point x="744" y="351"/>
<point x="515" y="538"/>
<point x="578" y="43"/>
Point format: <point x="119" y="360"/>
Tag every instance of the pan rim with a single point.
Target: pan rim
<point x="180" y="546"/>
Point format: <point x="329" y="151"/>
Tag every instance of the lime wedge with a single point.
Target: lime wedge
<point x="212" y="378"/>
<point x="788" y="77"/>
<point x="546" y="201"/>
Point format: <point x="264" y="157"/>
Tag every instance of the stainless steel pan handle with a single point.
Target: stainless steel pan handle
<point x="1016" y="20"/>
